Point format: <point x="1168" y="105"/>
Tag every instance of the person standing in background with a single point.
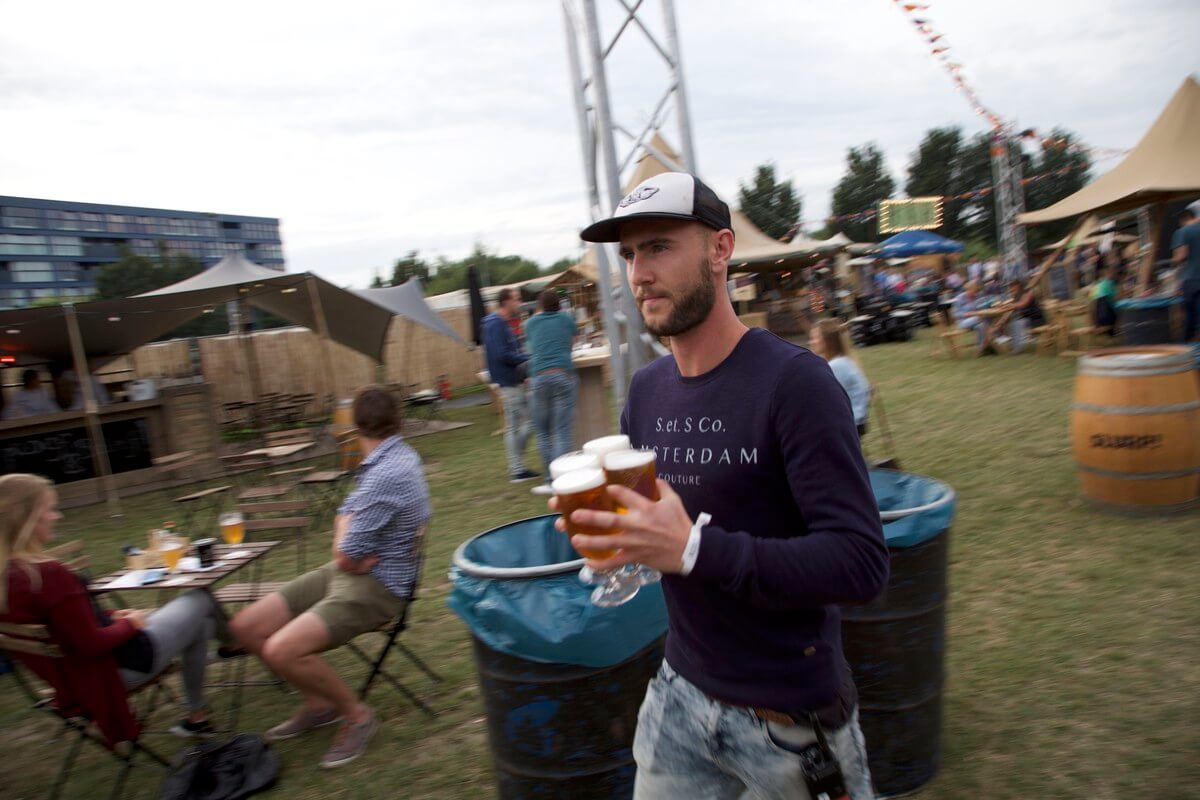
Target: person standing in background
<point x="828" y="339"/>
<point x="505" y="363"/>
<point x="550" y="335"/>
<point x="1185" y="251"/>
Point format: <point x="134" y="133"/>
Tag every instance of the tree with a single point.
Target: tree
<point x="771" y="205"/>
<point x="1060" y="153"/>
<point x="865" y="183"/>
<point x="976" y="216"/>
<point x="411" y="266"/>
<point x="133" y="274"/>
<point x="933" y="172"/>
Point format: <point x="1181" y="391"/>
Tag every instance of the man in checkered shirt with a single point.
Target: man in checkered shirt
<point x="368" y="582"/>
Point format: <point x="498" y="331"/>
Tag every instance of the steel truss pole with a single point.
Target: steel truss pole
<point x="602" y="168"/>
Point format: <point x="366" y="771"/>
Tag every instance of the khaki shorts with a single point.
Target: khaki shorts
<point x="348" y="604"/>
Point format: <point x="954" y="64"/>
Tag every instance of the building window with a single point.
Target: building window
<point x="17" y="217"/>
<point x="31" y="272"/>
<point x="16" y="245"/>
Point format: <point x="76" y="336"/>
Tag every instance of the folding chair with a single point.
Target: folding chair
<point x="391" y="633"/>
<point x="34" y="640"/>
<point x="296" y="524"/>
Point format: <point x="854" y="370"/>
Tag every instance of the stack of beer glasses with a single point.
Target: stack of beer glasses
<point x="580" y="480"/>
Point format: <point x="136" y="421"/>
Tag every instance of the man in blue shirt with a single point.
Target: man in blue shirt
<point x="368" y="582"/>
<point x="766" y="521"/>
<point x="505" y="361"/>
<point x="551" y="335"/>
<point x="1185" y="246"/>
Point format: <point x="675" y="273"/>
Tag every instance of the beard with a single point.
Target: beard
<point x="689" y="308"/>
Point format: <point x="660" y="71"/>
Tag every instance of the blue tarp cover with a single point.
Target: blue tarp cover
<point x="548" y="618"/>
<point x="923" y="507"/>
<point x="916" y="243"/>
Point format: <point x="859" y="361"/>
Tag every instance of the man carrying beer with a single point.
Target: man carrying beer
<point x="766" y="521"/>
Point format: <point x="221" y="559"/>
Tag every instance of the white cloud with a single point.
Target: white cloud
<point x="372" y="129"/>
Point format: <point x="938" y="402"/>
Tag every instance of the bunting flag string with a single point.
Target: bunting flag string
<point x="941" y="50"/>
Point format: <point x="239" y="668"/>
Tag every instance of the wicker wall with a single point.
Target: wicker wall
<point x="289" y="361"/>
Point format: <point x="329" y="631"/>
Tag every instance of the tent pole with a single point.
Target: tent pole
<point x="256" y="415"/>
<point x="314" y="298"/>
<point x="95" y="433"/>
<point x="1146" y="270"/>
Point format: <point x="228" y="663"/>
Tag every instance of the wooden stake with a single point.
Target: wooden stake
<point x="314" y="297"/>
<point x="91" y="412"/>
<point x="1157" y="212"/>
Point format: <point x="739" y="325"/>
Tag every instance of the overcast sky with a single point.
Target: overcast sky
<point x="372" y="129"/>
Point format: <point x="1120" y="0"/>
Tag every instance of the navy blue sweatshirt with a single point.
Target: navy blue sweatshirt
<point x="766" y="444"/>
<point x="503" y="351"/>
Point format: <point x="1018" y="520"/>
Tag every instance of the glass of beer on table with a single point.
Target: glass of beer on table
<point x="171" y="551"/>
<point x="587" y="489"/>
<point x="233" y="527"/>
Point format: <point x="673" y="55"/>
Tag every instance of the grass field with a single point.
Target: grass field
<point x="1073" y="642"/>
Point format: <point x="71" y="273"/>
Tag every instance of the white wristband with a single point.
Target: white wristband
<point x="691" y="550"/>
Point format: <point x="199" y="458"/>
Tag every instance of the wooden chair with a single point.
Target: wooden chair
<point x="35" y="640"/>
<point x="946" y="335"/>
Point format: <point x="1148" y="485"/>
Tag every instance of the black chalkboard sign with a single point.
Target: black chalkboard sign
<point x="1060" y="282"/>
<point x="66" y="455"/>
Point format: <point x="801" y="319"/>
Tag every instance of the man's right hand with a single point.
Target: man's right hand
<point x="136" y="617"/>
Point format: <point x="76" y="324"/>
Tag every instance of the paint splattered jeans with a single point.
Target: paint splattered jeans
<point x="691" y="747"/>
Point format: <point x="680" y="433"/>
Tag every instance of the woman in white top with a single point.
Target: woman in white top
<point x="828" y="339"/>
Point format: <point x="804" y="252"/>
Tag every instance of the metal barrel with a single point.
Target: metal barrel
<point x="896" y="649"/>
<point x="560" y="730"/>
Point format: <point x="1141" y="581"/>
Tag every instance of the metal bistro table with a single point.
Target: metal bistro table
<point x="228" y="559"/>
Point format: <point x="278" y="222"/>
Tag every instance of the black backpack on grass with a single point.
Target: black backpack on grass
<point x="238" y="768"/>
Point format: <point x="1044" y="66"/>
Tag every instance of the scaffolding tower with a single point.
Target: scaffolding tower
<point x="1010" y="198"/>
<point x="589" y="53"/>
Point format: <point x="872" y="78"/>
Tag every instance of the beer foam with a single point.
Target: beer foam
<point x="606" y="444"/>
<point x="571" y="462"/>
<point x="579" y="480"/>
<point x="628" y="459"/>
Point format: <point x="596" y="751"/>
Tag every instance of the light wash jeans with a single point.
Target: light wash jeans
<point x="182" y="628"/>
<point x="554" y="395"/>
<point x="517" y="426"/>
<point x="692" y="747"/>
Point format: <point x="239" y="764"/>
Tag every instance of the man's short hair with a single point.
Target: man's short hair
<point x="549" y="301"/>
<point x="504" y="295"/>
<point x="376" y="413"/>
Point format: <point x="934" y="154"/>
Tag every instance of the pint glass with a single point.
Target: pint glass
<point x="587" y="488"/>
<point x="636" y="470"/>
<point x="569" y="462"/>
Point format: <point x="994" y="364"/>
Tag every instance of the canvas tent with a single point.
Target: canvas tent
<point x="1164" y="166"/>
<point x="408" y="301"/>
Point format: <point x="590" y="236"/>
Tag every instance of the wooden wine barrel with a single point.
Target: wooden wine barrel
<point x="1135" y="429"/>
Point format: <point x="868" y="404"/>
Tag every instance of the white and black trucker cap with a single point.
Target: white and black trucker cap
<point x="671" y="195"/>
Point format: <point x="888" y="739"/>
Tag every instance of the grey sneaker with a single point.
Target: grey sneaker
<point x="350" y="742"/>
<point x="302" y="721"/>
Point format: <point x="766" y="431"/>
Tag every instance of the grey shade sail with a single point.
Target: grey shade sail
<point x="352" y="320"/>
<point x="109" y="328"/>
<point x="408" y="301"/>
